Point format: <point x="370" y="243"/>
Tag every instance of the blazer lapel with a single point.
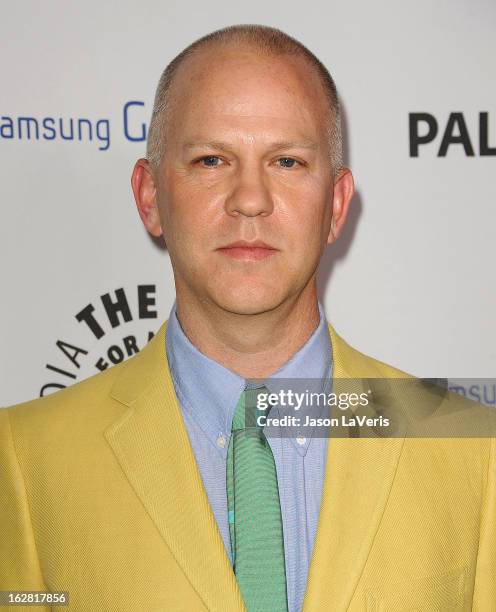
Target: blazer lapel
<point x="152" y="446"/>
<point x="358" y="477"/>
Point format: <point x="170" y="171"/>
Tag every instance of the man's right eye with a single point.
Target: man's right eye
<point x="210" y="161"/>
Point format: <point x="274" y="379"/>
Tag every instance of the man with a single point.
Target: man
<point x="139" y="489"/>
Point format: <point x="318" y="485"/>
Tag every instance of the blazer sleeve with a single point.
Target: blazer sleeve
<point x="485" y="576"/>
<point x="19" y="564"/>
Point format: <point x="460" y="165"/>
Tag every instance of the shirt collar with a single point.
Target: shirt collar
<point x="208" y="391"/>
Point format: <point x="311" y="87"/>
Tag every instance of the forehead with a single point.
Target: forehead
<point x="235" y="88"/>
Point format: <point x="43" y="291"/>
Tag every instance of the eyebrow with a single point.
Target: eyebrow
<point x="215" y="144"/>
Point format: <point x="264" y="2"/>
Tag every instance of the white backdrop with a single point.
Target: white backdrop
<point x="410" y="282"/>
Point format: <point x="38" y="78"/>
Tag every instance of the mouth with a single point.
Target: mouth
<point x="248" y="251"/>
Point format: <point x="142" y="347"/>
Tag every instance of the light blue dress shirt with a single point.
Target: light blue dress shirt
<point x="208" y="393"/>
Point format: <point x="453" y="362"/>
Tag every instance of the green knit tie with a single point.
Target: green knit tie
<point x="255" y="522"/>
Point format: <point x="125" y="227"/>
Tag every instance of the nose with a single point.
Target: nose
<point x="249" y="195"/>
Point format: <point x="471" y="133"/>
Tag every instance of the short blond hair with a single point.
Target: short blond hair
<point x="265" y="39"/>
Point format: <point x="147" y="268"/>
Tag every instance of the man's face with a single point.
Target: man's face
<point x="246" y="159"/>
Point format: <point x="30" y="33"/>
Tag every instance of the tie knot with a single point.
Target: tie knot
<point x="247" y="411"/>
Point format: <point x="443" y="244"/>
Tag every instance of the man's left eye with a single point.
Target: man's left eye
<point x="287" y="162"/>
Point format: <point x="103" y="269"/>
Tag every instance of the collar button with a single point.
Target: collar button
<point x="221" y="441"/>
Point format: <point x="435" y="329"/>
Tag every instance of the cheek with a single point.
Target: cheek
<point x="186" y="211"/>
<point x="304" y="213"/>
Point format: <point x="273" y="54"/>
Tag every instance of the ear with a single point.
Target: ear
<point x="145" y="195"/>
<point x="344" y="189"/>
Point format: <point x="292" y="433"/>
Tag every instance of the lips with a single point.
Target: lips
<point x="252" y="251"/>
<point x="245" y="244"/>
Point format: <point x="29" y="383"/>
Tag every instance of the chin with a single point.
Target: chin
<point x="247" y="301"/>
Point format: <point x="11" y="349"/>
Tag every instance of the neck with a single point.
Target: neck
<point x="252" y="346"/>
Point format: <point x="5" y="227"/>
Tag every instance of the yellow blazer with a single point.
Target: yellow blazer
<point x="101" y="497"/>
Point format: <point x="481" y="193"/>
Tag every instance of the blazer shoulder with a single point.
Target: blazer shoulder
<point x="70" y="411"/>
<point x="86" y="396"/>
<point x="358" y="364"/>
<point x="447" y="408"/>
